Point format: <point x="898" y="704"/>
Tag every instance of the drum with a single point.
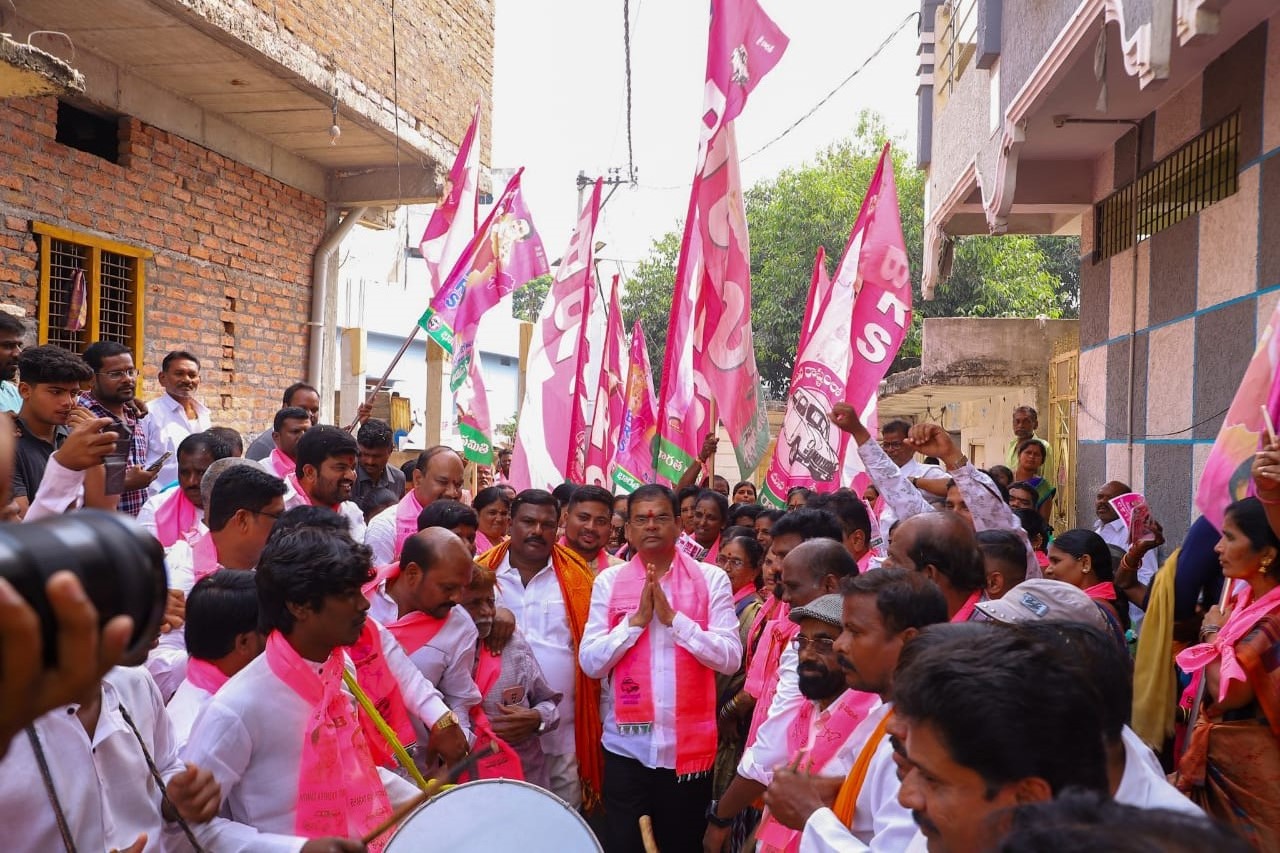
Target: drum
<point x="494" y="815"/>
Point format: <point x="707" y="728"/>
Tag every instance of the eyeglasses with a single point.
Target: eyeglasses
<point x="821" y="645"/>
<point x="646" y="520"/>
<point x="892" y="445"/>
<point x="730" y="562"/>
<point x="130" y="372"/>
<point x="271" y="515"/>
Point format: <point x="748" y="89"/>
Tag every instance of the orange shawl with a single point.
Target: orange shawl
<point x="575" y="579"/>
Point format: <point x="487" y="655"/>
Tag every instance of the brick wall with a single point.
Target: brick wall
<point x="231" y="275"/>
<point x="444" y="52"/>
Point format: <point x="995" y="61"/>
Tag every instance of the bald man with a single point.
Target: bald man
<point x="429" y="581"/>
<point x="943" y="547"/>
<point x="1114" y="532"/>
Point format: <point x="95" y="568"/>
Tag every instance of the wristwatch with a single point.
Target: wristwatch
<point x="716" y="820"/>
<point x="448" y="721"/>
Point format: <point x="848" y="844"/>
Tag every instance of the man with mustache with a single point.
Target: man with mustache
<point x="416" y="601"/>
<point x="49" y="386"/>
<point x="115" y="383"/>
<point x="13" y="335"/>
<point x="547" y="587"/>
<point x="881" y="612"/>
<point x="325" y="475"/>
<point x="588" y="522"/>
<point x="174" y="415"/>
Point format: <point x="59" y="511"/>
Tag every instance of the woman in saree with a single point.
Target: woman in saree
<point x="1231" y="766"/>
<point x="1031" y="454"/>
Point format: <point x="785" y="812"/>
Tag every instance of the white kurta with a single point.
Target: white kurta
<point x="1144" y="783"/>
<point x="381" y="536"/>
<point x="167" y="662"/>
<point x="166" y="425"/>
<point x="718" y="647"/>
<point x="103" y="784"/>
<point x="250" y="736"/>
<point x="186" y="704"/>
<point x="147" y="515"/>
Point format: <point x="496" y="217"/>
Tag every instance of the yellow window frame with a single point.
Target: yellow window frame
<point x="45" y="234"/>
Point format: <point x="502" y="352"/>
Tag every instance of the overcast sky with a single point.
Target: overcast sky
<point x="560" y="101"/>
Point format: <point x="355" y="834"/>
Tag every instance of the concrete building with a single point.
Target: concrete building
<point x="1148" y="128"/>
<point x="220" y="151"/>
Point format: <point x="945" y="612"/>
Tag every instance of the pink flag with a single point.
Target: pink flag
<point x="634" y="462"/>
<point x="453" y="222"/>
<point x="611" y="400"/>
<point x="584" y="397"/>
<point x="503" y="256"/>
<point x="714" y="272"/>
<point x="876" y="267"/>
<point x="542" y="447"/>
<point x="1226" y="475"/>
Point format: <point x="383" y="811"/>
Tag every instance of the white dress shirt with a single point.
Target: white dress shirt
<point x="1144" y="783"/>
<point x="758" y="760"/>
<point x="166" y="425"/>
<point x="381" y="536"/>
<point x="250" y="737"/>
<point x="147" y="515"/>
<point x="60" y="488"/>
<point x="540" y="612"/>
<point x="102" y="782"/>
<point x="183" y="709"/>
<point x="718" y="647"/>
<point x="347" y="509"/>
<point x="167" y="661"/>
<point x="445" y="661"/>
<point x="880" y="822"/>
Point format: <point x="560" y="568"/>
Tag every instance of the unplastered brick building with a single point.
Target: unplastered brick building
<point x="198" y="187"/>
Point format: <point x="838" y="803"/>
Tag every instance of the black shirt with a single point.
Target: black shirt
<point x="32" y="458"/>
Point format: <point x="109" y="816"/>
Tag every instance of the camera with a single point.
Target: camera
<point x="120" y="566"/>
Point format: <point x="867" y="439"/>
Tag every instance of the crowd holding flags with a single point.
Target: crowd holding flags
<point x="589" y="412"/>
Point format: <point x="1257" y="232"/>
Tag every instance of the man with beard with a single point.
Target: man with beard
<point x="115" y="382"/>
<point x="882" y="611"/>
<point x="326" y="473"/>
<point x="548" y="588"/>
<point x="13" y="334"/>
<point x="174" y="415"/>
<point x="416" y="601"/>
<point x="587" y="525"/>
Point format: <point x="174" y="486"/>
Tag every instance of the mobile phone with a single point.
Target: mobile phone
<point x="159" y="463"/>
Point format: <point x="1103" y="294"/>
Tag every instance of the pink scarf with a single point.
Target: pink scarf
<point x="1105" y="591"/>
<point x="483" y="542"/>
<point x="176" y="518"/>
<point x="205" y="675"/>
<point x="746" y="592"/>
<point x="382" y="688"/>
<point x="632" y="678"/>
<point x="339" y="792"/>
<point x="1244" y="616"/>
<point x="965" y="613"/>
<point x="505" y="763"/>
<point x="821" y="738"/>
<point x="407" y="512"/>
<point x="413" y="630"/>
<point x="204" y="556"/>
<point x="281" y="464"/>
<point x="765" y="670"/>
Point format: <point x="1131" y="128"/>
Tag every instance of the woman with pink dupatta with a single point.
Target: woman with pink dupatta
<point x="493" y="510"/>
<point x="1231" y="767"/>
<point x="1080" y="557"/>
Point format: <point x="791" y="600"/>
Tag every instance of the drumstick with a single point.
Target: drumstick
<point x="646" y="834"/>
<point x="433" y="786"/>
<point x="1271" y="428"/>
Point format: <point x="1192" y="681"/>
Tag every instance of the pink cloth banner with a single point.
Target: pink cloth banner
<point x="611" y="400"/>
<point x="540" y="458"/>
<point x="638" y="435"/>
<point x="453" y="222"/>
<point x="1226" y="472"/>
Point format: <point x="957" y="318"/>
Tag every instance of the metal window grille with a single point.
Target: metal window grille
<point x="65" y="260"/>
<point x="115" y="293"/>
<point x="1200" y="173"/>
<point x="957" y="43"/>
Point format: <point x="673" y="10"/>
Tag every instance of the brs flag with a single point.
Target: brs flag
<point x="503" y="256"/>
<point x="1226" y="475"/>
<point x="541" y="455"/>
<point x="710" y="355"/>
<point x="858" y="325"/>
<point x="633" y="466"/>
<point x="453" y="222"/>
<point x="611" y="399"/>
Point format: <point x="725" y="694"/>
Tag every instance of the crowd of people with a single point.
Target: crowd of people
<point x="922" y="665"/>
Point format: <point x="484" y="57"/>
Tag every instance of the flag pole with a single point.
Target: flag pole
<point x="711" y="463"/>
<point x="404" y="347"/>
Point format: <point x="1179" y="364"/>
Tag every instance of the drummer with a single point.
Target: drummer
<point x="659" y="629"/>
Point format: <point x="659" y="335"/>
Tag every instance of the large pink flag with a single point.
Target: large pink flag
<point x="713" y="274"/>
<point x="542" y="447"/>
<point x="453" y="222"/>
<point x="504" y="255"/>
<point x="611" y="400"/>
<point x="584" y="390"/>
<point x="637" y="439"/>
<point x="1226" y="475"/>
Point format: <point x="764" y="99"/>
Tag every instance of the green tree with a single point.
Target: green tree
<point x="814" y="205"/>
<point x="527" y="301"/>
